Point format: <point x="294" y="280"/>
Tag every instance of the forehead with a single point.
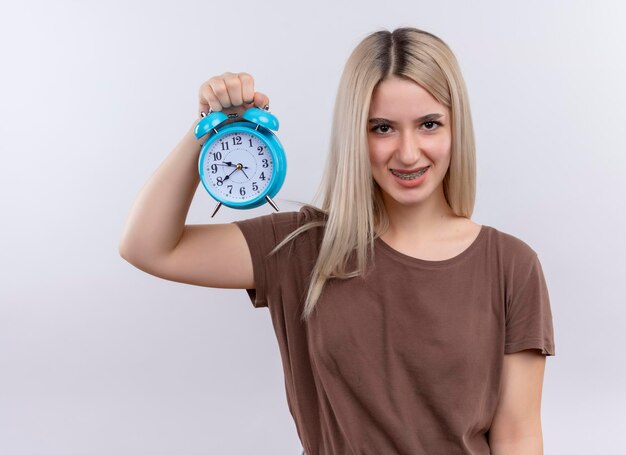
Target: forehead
<point x="394" y="96"/>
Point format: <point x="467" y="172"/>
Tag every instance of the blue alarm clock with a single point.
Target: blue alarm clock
<point x="242" y="164"/>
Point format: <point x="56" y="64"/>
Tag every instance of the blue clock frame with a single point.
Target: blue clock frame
<point x="258" y="123"/>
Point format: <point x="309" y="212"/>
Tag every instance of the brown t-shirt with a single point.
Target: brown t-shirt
<point x="408" y="359"/>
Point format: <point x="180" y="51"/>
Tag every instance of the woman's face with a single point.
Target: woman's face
<point x="408" y="130"/>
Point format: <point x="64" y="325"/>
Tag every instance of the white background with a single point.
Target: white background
<point x="97" y="357"/>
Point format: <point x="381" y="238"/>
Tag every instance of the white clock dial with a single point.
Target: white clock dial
<point x="238" y="167"/>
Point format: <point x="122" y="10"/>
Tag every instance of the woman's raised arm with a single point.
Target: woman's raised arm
<point x="156" y="239"/>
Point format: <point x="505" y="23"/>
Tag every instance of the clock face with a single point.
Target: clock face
<point x="237" y="166"/>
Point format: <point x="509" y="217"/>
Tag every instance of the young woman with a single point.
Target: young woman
<point x="403" y="326"/>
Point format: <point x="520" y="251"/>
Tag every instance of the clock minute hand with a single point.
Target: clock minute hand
<point x="228" y="176"/>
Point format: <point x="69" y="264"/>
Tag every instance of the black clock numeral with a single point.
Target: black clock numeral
<point x="230" y="189"/>
<point x="213" y="168"/>
<point x="237" y="140"/>
<point x="218" y="155"/>
<point x="242" y="190"/>
<point x="224" y="145"/>
<point x="266" y="163"/>
<point x="250" y="141"/>
<point x="220" y="181"/>
<point x="260" y="149"/>
<point x="255" y="187"/>
<point x="262" y="176"/>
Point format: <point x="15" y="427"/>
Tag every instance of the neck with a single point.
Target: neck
<point x="421" y="222"/>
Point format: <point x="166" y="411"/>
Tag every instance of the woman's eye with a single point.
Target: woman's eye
<point x="382" y="128"/>
<point x="431" y="123"/>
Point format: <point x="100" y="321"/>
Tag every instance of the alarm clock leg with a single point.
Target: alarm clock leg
<point x="272" y="203"/>
<point x="217" y="207"/>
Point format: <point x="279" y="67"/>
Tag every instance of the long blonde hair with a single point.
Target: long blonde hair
<point x="352" y="200"/>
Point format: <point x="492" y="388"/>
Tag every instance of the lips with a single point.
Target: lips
<point x="411" y="171"/>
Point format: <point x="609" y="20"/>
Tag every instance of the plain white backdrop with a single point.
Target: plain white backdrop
<point x="97" y="357"/>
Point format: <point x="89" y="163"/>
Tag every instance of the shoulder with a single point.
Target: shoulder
<point x="516" y="258"/>
<point x="311" y="214"/>
<point x="510" y="246"/>
<point x="287" y="222"/>
<point x="278" y="225"/>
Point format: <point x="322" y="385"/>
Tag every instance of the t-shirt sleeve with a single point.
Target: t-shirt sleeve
<point x="261" y="237"/>
<point x="529" y="316"/>
<point x="262" y="234"/>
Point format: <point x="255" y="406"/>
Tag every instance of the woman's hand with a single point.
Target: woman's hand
<point x="231" y="93"/>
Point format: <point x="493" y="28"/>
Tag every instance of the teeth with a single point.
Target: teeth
<point x="409" y="176"/>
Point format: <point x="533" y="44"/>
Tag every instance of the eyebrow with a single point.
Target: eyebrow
<point x="423" y="118"/>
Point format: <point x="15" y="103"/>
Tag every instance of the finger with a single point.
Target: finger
<point x="221" y="92"/>
<point x="208" y="100"/>
<point x="233" y="87"/>
<point x="261" y="100"/>
<point x="247" y="88"/>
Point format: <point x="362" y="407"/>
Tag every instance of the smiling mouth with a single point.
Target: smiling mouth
<point x="409" y="175"/>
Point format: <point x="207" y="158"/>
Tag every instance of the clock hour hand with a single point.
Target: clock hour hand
<point x="230" y="164"/>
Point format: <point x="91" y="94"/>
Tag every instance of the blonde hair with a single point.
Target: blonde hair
<point x="352" y="201"/>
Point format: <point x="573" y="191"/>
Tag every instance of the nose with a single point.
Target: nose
<point x="408" y="152"/>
